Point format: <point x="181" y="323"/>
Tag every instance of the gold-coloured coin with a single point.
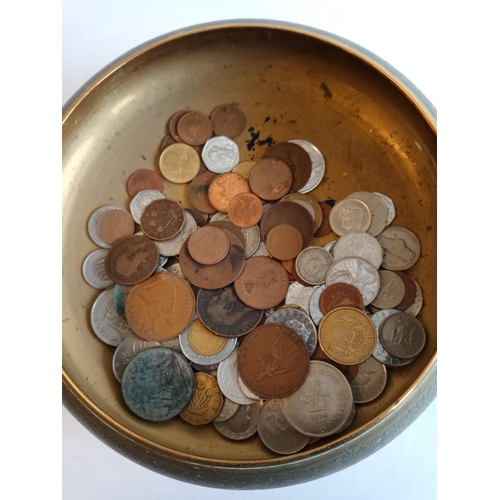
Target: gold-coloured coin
<point x="206" y="402"/>
<point x="179" y="163"/>
<point x="244" y="168"/>
<point x="347" y="336"/>
<point x="203" y="341"/>
<point x="310" y="204"/>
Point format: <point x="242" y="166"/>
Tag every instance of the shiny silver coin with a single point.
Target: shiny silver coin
<point x="227" y="378"/>
<point x="162" y="260"/>
<point x="229" y="408"/>
<point x="94" y="270"/>
<point x="391" y="209"/>
<point x="401" y="248"/>
<point x="416" y="307"/>
<point x="329" y="247"/>
<point x="318" y="165"/>
<point x="107" y="324"/>
<point x="120" y="297"/>
<point x="299" y="322"/>
<point x="350" y="216"/>
<point x="392" y="290"/>
<point x="261" y="251"/>
<point x="276" y="433"/>
<point x="94" y="220"/>
<point x="370" y="381"/>
<point x="312" y="264"/>
<point x="361" y="245"/>
<point x="299" y="295"/>
<point x="220" y="154"/>
<point x="402" y="335"/>
<point x="252" y="240"/>
<point x="172" y="247"/>
<point x="219" y="216"/>
<point x="141" y="200"/>
<point x="377" y="208"/>
<point x="246" y="391"/>
<point x="158" y="384"/>
<point x="243" y="424"/>
<point x="314" y="310"/>
<point x="124" y="353"/>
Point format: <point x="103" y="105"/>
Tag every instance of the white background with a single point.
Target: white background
<point x="405" y="34"/>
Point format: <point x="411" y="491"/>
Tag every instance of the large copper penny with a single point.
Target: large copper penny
<point x="228" y="120"/>
<point x="288" y="212"/>
<point x="245" y="210"/>
<point x="262" y="284"/>
<point x="270" y="179"/>
<point x="174" y="122"/>
<point x="143" y="179"/>
<point x="114" y="225"/>
<point x="218" y="275"/>
<point x="273" y="361"/>
<point x="296" y="158"/>
<point x="224" y="188"/>
<point x="208" y="245"/>
<point x="160" y="308"/>
<point x="410" y="291"/>
<point x="162" y="220"/>
<point x="325" y="227"/>
<point x="223" y="313"/>
<point x="340" y="295"/>
<point x="284" y="242"/>
<point x="198" y="192"/>
<point x="132" y="260"/>
<point x="194" y="128"/>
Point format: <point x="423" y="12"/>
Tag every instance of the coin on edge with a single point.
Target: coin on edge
<point x="206" y="402"/>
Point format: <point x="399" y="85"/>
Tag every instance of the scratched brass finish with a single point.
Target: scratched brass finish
<point x="375" y="134"/>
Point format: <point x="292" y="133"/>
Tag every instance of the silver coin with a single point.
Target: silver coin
<point x="314" y="310"/>
<point x="416" y="307"/>
<point x="252" y="240"/>
<point x="175" y="268"/>
<point x="243" y="424"/>
<point x="318" y="165"/>
<point x="276" y="433"/>
<point x="172" y="247"/>
<point x="329" y="246"/>
<point x="321" y="406"/>
<point x="246" y="391"/>
<point x="401" y="248"/>
<point x="220" y="154"/>
<point x="129" y="348"/>
<point x="93" y="221"/>
<point x="210" y="369"/>
<point x="229" y="408"/>
<point x="299" y="295"/>
<point x="107" y="324"/>
<point x="402" y="335"/>
<point x="370" y="381"/>
<point x="312" y="264"/>
<point x="299" y="322"/>
<point x="306" y="205"/>
<point x="261" y="250"/>
<point x="391" y="209"/>
<point x="268" y="312"/>
<point x="377" y="208"/>
<point x="94" y="270"/>
<point x="172" y="343"/>
<point x="362" y="245"/>
<point x="120" y="297"/>
<point x="356" y="272"/>
<point x="141" y="200"/>
<point x="349" y="419"/>
<point x="350" y="216"/>
<point x="218" y="216"/>
<point x="227" y="377"/>
<point x="162" y="260"/>
<point x="392" y="290"/>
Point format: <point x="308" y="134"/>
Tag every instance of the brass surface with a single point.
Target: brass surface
<point x="314" y="86"/>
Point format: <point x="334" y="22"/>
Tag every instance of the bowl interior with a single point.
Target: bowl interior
<point x="291" y="85"/>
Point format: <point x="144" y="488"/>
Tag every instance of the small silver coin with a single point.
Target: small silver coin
<point x="107" y="324"/>
<point x="276" y="433"/>
<point x="361" y="245"/>
<point x="94" y="220"/>
<point x="391" y="209"/>
<point x="243" y="424"/>
<point x="350" y="216"/>
<point x="392" y="290"/>
<point x="252" y="240"/>
<point x="246" y="391"/>
<point x="318" y="165"/>
<point x="377" y="208"/>
<point x="261" y="251"/>
<point x="157" y="384"/>
<point x="227" y="411"/>
<point x="370" y="381"/>
<point x="141" y="200"/>
<point x="416" y="307"/>
<point x="312" y="264"/>
<point x="219" y="216"/>
<point x="401" y="248"/>
<point x="120" y="297"/>
<point x="124" y="353"/>
<point x="162" y="260"/>
<point x="314" y="310"/>
<point x="402" y="335"/>
<point x="94" y="270"/>
<point x="329" y="247"/>
<point x="299" y="295"/>
<point x="220" y="154"/>
<point x="172" y="247"/>
<point x="227" y="378"/>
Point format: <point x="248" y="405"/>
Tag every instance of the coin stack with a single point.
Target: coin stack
<point x="240" y="322"/>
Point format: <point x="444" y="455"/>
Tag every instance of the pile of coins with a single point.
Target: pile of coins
<point x="240" y="322"/>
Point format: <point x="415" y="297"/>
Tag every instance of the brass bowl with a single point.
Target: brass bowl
<point x="377" y="133"/>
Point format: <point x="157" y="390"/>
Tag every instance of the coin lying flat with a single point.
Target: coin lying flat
<point x="299" y="295"/>
<point x="162" y="220"/>
<point x="220" y="154"/>
<point x="325" y="227"/>
<point x="197" y="216"/>
<point x="179" y="163"/>
<point x="172" y="246"/>
<point x="120" y="297"/>
<point x="243" y="424"/>
<point x="401" y="248"/>
<point x="198" y="192"/>
<point x="410" y="291"/>
<point x="308" y="202"/>
<point x="130" y="347"/>
<point x="378" y="210"/>
<point x="141" y="200"/>
<point x="361" y="245"/>
<point x="251" y="237"/>
<point x="246" y="391"/>
<point x="402" y="335"/>
<point x="114" y="225"/>
<point x="392" y="290"/>
<point x="416" y="307"/>
<point x="94" y="270"/>
<point x="318" y="165"/>
<point x="224" y="188"/>
<point x="270" y="179"/>
<point x="312" y="264"/>
<point x="94" y="221"/>
<point x="244" y="168"/>
<point x="174" y="122"/>
<point x="370" y="381"/>
<point x="245" y="210"/>
<point x="340" y="295"/>
<point x="206" y="402"/>
<point x="350" y="216"/>
<point x="314" y="309"/>
<point x="144" y="179"/>
<point x="391" y="209"/>
<point x="284" y="242"/>
<point x="208" y="245"/>
<point x="228" y="120"/>
<point x="227" y="411"/>
<point x="194" y="128"/>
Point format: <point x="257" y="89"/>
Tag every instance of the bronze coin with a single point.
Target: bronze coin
<point x="228" y="120"/>
<point x="289" y="265"/>
<point x="325" y="227"/>
<point x="114" y="225"/>
<point x="296" y="158"/>
<point x="194" y="128"/>
<point x="227" y="224"/>
<point x="288" y="212"/>
<point x="284" y="242"/>
<point x="340" y="295"/>
<point x="174" y="122"/>
<point x="132" y="260"/>
<point x="273" y="361"/>
<point x="245" y="210"/>
<point x="198" y="192"/>
<point x="223" y="313"/>
<point x="218" y="275"/>
<point x="197" y="216"/>
<point x="168" y="141"/>
<point x="224" y="188"/>
<point x="208" y="245"/>
<point x="410" y="291"/>
<point x="262" y="284"/>
<point x="162" y="220"/>
<point x="270" y="179"/>
<point x="143" y="179"/>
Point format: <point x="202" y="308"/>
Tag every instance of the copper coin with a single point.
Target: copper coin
<point x="194" y="128"/>
<point x="168" y="141"/>
<point x="162" y="220"/>
<point x="410" y="291"/>
<point x="227" y="224"/>
<point x="197" y="216"/>
<point x="143" y="179"/>
<point x="289" y="265"/>
<point x="228" y="120"/>
<point x="296" y="158"/>
<point x="198" y="192"/>
<point x="270" y="179"/>
<point x="325" y="227"/>
<point x="174" y="122"/>
<point x="132" y="260"/>
<point x="114" y="225"/>
<point x="245" y="210"/>
<point x="217" y="275"/>
<point x="223" y="313"/>
<point x="273" y="361"/>
<point x="340" y="295"/>
<point x="224" y="188"/>
<point x="288" y="212"/>
<point x="262" y="284"/>
<point x="284" y="242"/>
<point x="208" y="245"/>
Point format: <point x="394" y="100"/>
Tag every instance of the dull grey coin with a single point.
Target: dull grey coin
<point x="299" y="295"/>
<point x="318" y="165"/>
<point x="261" y="250"/>
<point x="401" y="248"/>
<point x="227" y="378"/>
<point x="370" y="381"/>
<point x="220" y="154"/>
<point x="175" y="267"/>
<point x="391" y="209"/>
<point x="402" y="335"/>
<point x="94" y="220"/>
<point x="312" y="264"/>
<point x="141" y="200"/>
<point x="157" y="384"/>
<point x="416" y="307"/>
<point x="329" y="247"/>
<point x="350" y="216"/>
<point x="229" y="408"/>
<point x="120" y="297"/>
<point x="172" y="247"/>
<point x="94" y="270"/>
<point x="252" y="240"/>
<point x="129" y="348"/>
<point x="246" y="391"/>
<point x="392" y="290"/>
<point x="362" y="245"/>
<point x="378" y="210"/>
<point x="243" y="424"/>
<point x="172" y="343"/>
<point x="314" y="310"/>
<point x="219" y="216"/>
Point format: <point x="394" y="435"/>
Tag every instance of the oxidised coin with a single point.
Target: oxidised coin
<point x="312" y="264"/>
<point x="120" y="297"/>
<point x="206" y="402"/>
<point x="401" y="248"/>
<point x="243" y="424"/>
<point x="402" y="335"/>
<point x="392" y="290"/>
<point x="130" y="347"/>
<point x="360" y="245"/>
<point x="162" y="220"/>
<point x="94" y="270"/>
<point x="370" y="381"/>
